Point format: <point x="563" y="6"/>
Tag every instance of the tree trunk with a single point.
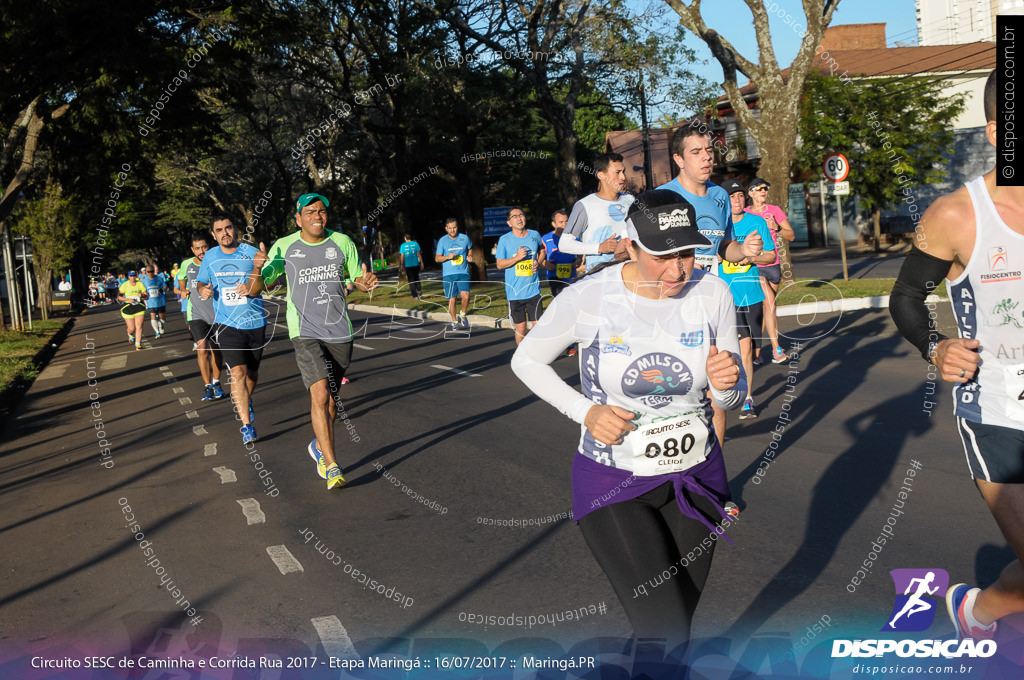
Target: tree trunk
<point x="877" y="214"/>
<point x="776" y="158"/>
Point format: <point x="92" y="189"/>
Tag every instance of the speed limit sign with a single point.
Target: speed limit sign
<point x="836" y="167"/>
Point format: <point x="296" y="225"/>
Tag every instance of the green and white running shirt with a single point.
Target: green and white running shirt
<point x="195" y="307"/>
<point x="316" y="274"/>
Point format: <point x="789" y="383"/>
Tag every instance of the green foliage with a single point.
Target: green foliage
<point x="53" y="222"/>
<point x="893" y="131"/>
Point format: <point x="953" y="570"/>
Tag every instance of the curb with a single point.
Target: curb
<point x="843" y="305"/>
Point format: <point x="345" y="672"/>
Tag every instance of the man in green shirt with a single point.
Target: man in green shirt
<point x="316" y="261"/>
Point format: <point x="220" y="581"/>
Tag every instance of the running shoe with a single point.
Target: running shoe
<point x="249" y="434"/>
<point x="334" y="477"/>
<point x="158" y="335"/>
<point x="321" y="464"/>
<point x="252" y="414"/>
<point x="208" y="393"/>
<point x="218" y="393"/>
<point x="131" y="339"/>
<point x="345" y="381"/>
<point x="757" y="359"/>
<point x="732" y="509"/>
<point x="748" y="409"/>
<point x="455" y="325"/>
<point x="195" y="346"/>
<point x="956" y="600"/>
<point x="572" y="350"/>
<point x="779" y="356"/>
<point x="463" y="322"/>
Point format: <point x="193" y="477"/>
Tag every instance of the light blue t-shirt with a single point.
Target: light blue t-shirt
<point x="714" y="219"/>
<point x="224" y="272"/>
<point x="156" y="287"/>
<point x="745" y="279"/>
<point x="458" y="246"/>
<point x="521" y="279"/>
<point x="409" y="251"/>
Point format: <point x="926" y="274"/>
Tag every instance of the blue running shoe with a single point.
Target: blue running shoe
<point x="321" y="464"/>
<point x="334" y="477"/>
<point x="249" y="434"/>
<point x="218" y="393"/>
<point x="956" y="607"/>
<point x="208" y="393"/>
<point x="748" y="410"/>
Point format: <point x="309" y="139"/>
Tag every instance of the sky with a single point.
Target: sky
<point x="732" y="19"/>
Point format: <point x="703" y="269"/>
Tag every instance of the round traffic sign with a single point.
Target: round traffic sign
<point x="836" y="167"/>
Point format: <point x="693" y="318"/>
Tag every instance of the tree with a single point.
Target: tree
<point x="775" y="128"/>
<point x="50" y="221"/>
<point x="894" y="132"/>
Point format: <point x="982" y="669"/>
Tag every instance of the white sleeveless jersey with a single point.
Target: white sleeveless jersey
<point x="988" y="302"/>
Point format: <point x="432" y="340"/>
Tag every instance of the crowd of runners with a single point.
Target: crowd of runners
<point x="667" y="297"/>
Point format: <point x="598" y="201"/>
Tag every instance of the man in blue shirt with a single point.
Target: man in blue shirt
<point x="156" y="303"/>
<point x="744" y="281"/>
<point x="239" y="322"/>
<point x="561" y="266"/>
<point x="454" y="252"/>
<point x="411" y="261"/>
<point x="520" y="253"/>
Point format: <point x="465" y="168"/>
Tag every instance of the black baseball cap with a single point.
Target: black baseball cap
<point x="756" y="182"/>
<point x="662" y="222"/>
<point x="731" y="186"/>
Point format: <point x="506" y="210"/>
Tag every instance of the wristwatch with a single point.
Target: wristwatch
<point x="931" y="351"/>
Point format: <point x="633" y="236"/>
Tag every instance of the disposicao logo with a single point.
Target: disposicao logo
<point x="919" y="593"/>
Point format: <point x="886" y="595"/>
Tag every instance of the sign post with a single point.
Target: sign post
<point x="837" y="169"/>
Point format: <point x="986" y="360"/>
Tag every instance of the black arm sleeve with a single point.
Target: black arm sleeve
<point x="920" y="275"/>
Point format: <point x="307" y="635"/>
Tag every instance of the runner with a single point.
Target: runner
<point x="745" y="285"/>
<point x="560" y="266"/>
<point x="771" y="275"/>
<point x="598" y="220"/>
<point x="520" y="253"/>
<point x="156" y="303"/>
<point x="132" y="293"/>
<point x="454" y="252"/>
<point x="316" y="261"/>
<point x="112" y="285"/>
<point x="654" y="333"/>
<point x="200" y="315"/>
<point x="410" y="259"/>
<point x="694" y="155"/>
<point x="974" y="237"/>
<point x="239" y="322"/>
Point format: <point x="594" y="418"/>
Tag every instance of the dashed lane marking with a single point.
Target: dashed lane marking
<point x="283" y="559"/>
<point x="252" y="512"/>
<point x="53" y="372"/>
<point x="356" y="344"/>
<point x="116" y="361"/>
<point x="199" y="430"/>
<point x="227" y="476"/>
<point x="455" y="370"/>
<point x="184" y="401"/>
<point x="334" y="637"/>
<point x="191" y="414"/>
<point x="178" y="390"/>
<point x="210" y="449"/>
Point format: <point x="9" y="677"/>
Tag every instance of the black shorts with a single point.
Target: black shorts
<point x="748" y="320"/>
<point x="320" y="360"/>
<point x="994" y="453"/>
<point x="201" y="330"/>
<point x="240" y="347"/>
<point x="520" y="309"/>
<point x="162" y="309"/>
<point x="772" y="272"/>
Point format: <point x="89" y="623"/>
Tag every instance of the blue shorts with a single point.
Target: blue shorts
<point x="455" y="284"/>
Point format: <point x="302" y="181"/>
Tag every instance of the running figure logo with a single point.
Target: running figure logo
<point x="914" y="609"/>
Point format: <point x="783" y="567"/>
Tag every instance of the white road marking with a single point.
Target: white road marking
<point x="356" y="344"/>
<point x="173" y="353"/>
<point x="252" y="512"/>
<point x="191" y="414"/>
<point x="184" y="401"/>
<point x="167" y="374"/>
<point x="52" y="372"/>
<point x="199" y="430"/>
<point x="283" y="559"/>
<point x="178" y="390"/>
<point x="117" y="361"/>
<point x="210" y="449"/>
<point x="164" y="368"/>
<point x="456" y="370"/>
<point x="227" y="476"/>
<point x="334" y="638"/>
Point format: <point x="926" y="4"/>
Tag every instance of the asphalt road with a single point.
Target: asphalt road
<point x="456" y="507"/>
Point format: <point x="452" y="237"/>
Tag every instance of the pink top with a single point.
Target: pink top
<point x="779" y="217"/>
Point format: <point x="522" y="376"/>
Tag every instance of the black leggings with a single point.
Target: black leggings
<point x="636" y="542"/>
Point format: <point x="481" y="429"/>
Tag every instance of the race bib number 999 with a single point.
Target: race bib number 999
<point x="669" y="445"/>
